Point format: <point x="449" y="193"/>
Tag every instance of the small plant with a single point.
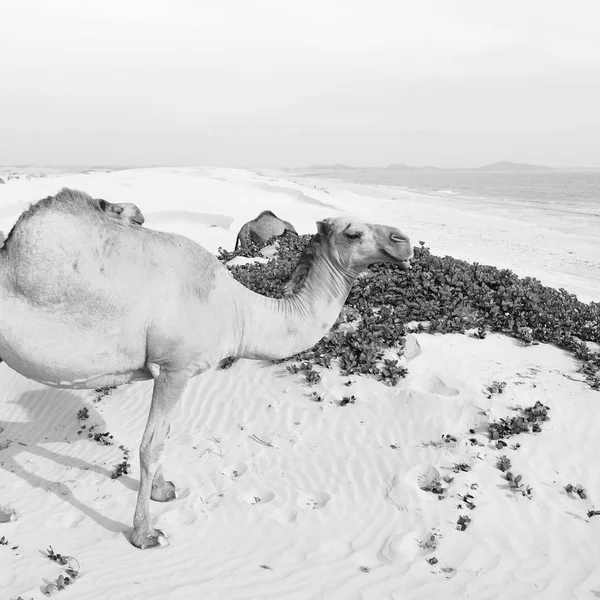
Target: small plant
<point x="316" y="397"/>
<point x="578" y="489"/>
<point x="514" y="482"/>
<point x="226" y="363"/>
<point x="463" y="522"/>
<point x="435" y="487"/>
<point x="83" y="414"/>
<point x="72" y="570"/>
<point x="349" y="383"/>
<point x="102" y="392"/>
<point x="468" y="500"/>
<point x="3" y="541"/>
<point x="447" y="438"/>
<point x="432" y="561"/>
<point x="530" y="416"/>
<point x="504" y="463"/>
<point x="123" y="468"/>
<point x="461" y="467"/>
<point x="497" y="387"/>
<point x="312" y="377"/>
<point x="104" y="438"/>
<point x="480" y="333"/>
<point x="347" y="400"/>
<point x="430" y="543"/>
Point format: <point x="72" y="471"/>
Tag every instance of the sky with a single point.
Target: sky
<point x="251" y="83"/>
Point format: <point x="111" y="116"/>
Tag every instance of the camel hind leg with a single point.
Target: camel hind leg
<point x="168" y="389"/>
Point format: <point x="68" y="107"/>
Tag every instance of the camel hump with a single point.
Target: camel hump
<point x="267" y="213"/>
<point x="260" y="230"/>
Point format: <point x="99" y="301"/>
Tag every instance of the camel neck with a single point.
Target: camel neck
<point x="279" y="328"/>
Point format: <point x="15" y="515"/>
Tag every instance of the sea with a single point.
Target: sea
<point x="573" y="191"/>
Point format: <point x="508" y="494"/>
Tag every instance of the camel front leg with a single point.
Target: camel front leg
<point x="168" y="388"/>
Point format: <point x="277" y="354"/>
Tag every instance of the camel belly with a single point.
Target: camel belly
<point x="76" y="354"/>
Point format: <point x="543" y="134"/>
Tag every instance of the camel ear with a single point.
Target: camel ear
<point x="324" y="228"/>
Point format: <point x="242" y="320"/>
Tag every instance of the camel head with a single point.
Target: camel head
<point x="353" y="245"/>
<point x="126" y="211"/>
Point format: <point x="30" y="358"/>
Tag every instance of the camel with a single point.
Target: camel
<point x="125" y="211"/>
<point x="88" y="301"/>
<point x="262" y="229"/>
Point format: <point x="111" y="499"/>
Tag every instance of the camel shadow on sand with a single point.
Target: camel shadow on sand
<point x="46" y="425"/>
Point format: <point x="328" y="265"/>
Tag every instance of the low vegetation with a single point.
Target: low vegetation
<point x="449" y="295"/>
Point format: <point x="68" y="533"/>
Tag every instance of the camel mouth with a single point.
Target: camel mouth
<point x="403" y="262"/>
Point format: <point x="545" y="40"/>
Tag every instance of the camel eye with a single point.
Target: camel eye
<point x="353" y="236"/>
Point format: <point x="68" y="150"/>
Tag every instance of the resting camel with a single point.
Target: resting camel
<point x="125" y="211"/>
<point x="262" y="229"/>
<point x="89" y="301"/>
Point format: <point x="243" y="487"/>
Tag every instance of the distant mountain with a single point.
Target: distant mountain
<point x="397" y="167"/>
<point x="336" y="167"/>
<point x="506" y="165"/>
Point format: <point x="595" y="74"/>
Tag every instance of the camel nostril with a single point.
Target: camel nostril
<point x="398" y="237"/>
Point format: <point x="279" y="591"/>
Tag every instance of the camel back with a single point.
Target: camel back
<point x="66" y="201"/>
<point x="65" y="250"/>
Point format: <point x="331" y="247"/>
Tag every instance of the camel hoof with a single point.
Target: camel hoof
<point x="155" y="539"/>
<point x="167" y="493"/>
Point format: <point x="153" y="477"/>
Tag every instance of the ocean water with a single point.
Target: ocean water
<point x="572" y="191"/>
<point x="578" y="191"/>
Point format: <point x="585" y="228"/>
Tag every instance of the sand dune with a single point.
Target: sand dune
<point x="286" y="498"/>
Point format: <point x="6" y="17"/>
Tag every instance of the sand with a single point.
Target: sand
<point x="286" y="498"/>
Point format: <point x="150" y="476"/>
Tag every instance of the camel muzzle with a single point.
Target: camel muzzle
<point x="400" y="249"/>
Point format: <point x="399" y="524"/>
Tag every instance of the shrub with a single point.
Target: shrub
<point x="453" y="295"/>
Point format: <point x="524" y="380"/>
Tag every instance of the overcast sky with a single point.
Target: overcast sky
<point x="288" y="83"/>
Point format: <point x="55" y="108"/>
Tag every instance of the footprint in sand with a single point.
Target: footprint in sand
<point x="314" y="501"/>
<point x="235" y="470"/>
<point x="258" y="496"/>
<point x="212" y="501"/>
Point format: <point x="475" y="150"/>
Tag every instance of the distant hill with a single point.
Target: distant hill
<point x="506" y="165"/>
<point x="402" y="167"/>
<point x="336" y="167"/>
<point x="398" y="167"/>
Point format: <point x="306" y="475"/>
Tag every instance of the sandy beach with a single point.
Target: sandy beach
<point x="286" y="498"/>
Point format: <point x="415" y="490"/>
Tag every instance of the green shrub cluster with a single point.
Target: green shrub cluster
<point x="452" y="295"/>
